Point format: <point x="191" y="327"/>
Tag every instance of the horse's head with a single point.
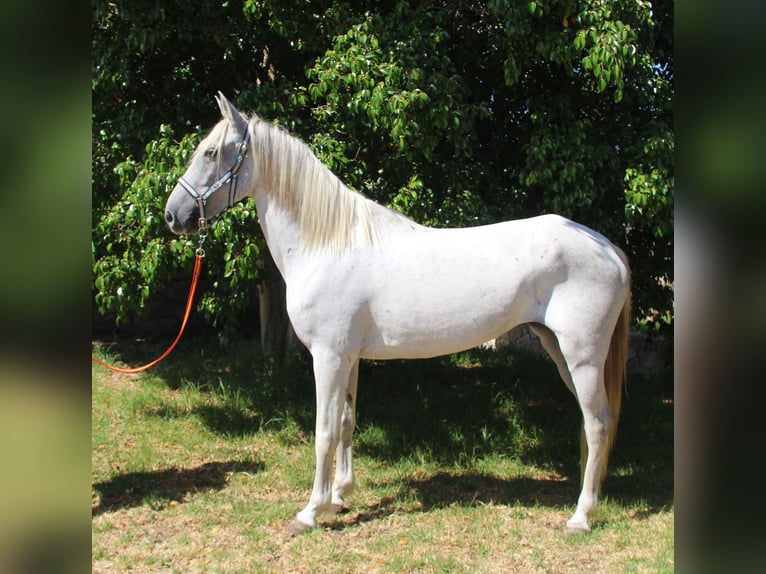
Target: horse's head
<point x="210" y="184"/>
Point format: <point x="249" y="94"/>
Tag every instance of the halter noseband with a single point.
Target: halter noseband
<point x="229" y="177"/>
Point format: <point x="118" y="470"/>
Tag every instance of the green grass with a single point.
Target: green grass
<point x="464" y="463"/>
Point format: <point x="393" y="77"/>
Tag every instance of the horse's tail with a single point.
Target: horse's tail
<point x="615" y="370"/>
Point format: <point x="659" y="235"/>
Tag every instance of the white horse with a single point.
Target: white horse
<point x="366" y="282"/>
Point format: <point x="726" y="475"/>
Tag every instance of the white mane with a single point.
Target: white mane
<point x="328" y="213"/>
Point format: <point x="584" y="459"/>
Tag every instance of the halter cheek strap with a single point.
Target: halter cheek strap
<point x="231" y="176"/>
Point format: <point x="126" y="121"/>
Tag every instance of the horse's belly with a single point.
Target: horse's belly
<point x="422" y="346"/>
<point x="417" y="327"/>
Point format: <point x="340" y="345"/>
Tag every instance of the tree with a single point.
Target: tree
<point x="454" y="112"/>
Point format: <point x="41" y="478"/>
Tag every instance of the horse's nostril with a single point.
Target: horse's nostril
<point x="169" y="217"/>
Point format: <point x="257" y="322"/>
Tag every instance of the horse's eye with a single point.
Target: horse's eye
<point x="210" y="152"/>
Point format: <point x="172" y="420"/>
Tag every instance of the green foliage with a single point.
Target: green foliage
<point x="453" y="113"/>
<point x="131" y="236"/>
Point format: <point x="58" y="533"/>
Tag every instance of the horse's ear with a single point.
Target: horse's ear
<point x="229" y="112"/>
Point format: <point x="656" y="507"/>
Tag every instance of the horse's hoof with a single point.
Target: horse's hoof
<point x="577" y="528"/>
<point x="297" y="528"/>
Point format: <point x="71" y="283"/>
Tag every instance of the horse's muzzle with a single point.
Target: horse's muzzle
<point x="182" y="225"/>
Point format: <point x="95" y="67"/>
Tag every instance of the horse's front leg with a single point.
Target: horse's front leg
<point x="344" y="467"/>
<point x="331" y="374"/>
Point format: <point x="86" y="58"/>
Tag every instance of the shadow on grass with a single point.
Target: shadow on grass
<point x="464" y="489"/>
<point x="468" y="489"/>
<point x="158" y="488"/>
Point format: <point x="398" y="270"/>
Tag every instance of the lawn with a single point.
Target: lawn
<point x="465" y="463"/>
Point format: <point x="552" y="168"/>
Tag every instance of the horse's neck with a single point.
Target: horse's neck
<point x="280" y="231"/>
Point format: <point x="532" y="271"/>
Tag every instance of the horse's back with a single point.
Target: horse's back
<point x="547" y="249"/>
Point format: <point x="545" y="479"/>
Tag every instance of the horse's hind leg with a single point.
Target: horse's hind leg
<point x="586" y="382"/>
<point x="344" y="468"/>
<point x="589" y="386"/>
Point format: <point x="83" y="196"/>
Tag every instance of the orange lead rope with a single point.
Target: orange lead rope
<point x="192" y="289"/>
